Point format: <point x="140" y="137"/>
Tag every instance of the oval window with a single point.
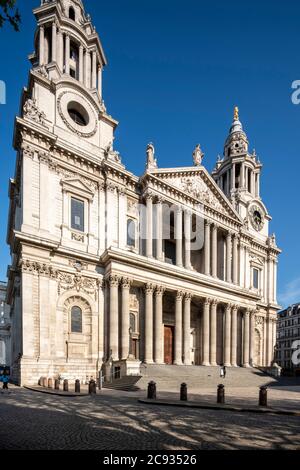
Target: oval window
<point x="78" y="114"/>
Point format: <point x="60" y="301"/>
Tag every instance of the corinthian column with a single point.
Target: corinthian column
<point x="81" y="66"/>
<point x="67" y="64"/>
<point x="213" y="333"/>
<point x="187" y="330"/>
<point x="178" y="328"/>
<point x="42" y="45"/>
<point x="207" y="248"/>
<point x="149" y="220"/>
<point x="205" y="331"/>
<point x="114" y="317"/>
<point x="159" y="230"/>
<point x="125" y="318"/>
<point x="235" y="259"/>
<point x="187" y="237"/>
<point x="246" y="338"/>
<point x="234" y="336"/>
<point x="94" y="71"/>
<point x="227" y="341"/>
<point x="158" y="338"/>
<point x="149" y="324"/>
<point x="214" y="259"/>
<point x="228" y="257"/>
<point x="100" y="81"/>
<point x="54" y="44"/>
<point x="252" y="337"/>
<point x="178" y="236"/>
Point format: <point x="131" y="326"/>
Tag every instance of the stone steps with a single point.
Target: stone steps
<point x="126" y="384"/>
<point x="169" y="378"/>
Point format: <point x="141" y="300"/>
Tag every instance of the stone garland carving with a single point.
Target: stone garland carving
<point x="32" y="112"/>
<point x="35" y="267"/>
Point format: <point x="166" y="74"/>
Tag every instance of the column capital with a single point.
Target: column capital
<point x="179" y="295"/>
<point x="187" y="297"/>
<point x="247" y="313"/>
<point x="126" y="283"/>
<point x="208" y="223"/>
<point x="113" y="280"/>
<point x="215" y="226"/>
<point x="149" y="288"/>
<point x="235" y="307"/>
<point x="149" y="196"/>
<point x="159" y="291"/>
<point x="178" y="209"/>
<point x="214" y="302"/>
<point x="208" y="301"/>
<point x="229" y="307"/>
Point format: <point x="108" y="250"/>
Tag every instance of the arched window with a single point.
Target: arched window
<point x="72" y="14"/>
<point x="76" y="320"/>
<point x="131" y="233"/>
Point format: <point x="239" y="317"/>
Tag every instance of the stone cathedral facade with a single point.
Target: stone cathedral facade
<point x="110" y="270"/>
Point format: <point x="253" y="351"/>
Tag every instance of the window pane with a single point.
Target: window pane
<point x="77" y="215"/>
<point x="76" y="320"/>
<point x="255" y="278"/>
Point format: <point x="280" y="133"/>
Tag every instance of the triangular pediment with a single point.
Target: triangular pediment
<point x="196" y="182"/>
<point x="77" y="186"/>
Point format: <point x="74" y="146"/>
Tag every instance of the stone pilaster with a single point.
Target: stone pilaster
<point x="125" y="284"/>
<point x="187" y="238"/>
<point x="42" y="45"/>
<point x="159" y="230"/>
<point x="252" y="337"/>
<point x="158" y="331"/>
<point x="234" y="314"/>
<point x="114" y="317"/>
<point x="149" y="289"/>
<point x="67" y="58"/>
<point x="178" y="328"/>
<point x="187" y="329"/>
<point x="215" y="251"/>
<point x="227" y="339"/>
<point x="213" y="333"/>
<point x="228" y="257"/>
<point x="149" y="222"/>
<point x="178" y="236"/>
<point x="246" y="339"/>
<point x="81" y="64"/>
<point x="235" y="258"/>
<point x="54" y="43"/>
<point x="206" y="331"/>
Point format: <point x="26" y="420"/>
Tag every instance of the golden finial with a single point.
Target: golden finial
<point x="236" y="113"/>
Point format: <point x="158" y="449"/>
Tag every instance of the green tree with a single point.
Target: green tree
<point x="9" y="13"/>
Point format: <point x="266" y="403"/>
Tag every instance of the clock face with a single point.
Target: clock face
<point x="257" y="218"/>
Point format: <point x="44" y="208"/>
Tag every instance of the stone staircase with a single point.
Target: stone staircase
<point x="169" y="378"/>
<point x="126" y="384"/>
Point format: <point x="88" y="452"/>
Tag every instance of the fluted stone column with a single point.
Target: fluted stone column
<point x="234" y="314"/>
<point x="158" y="329"/>
<point x="205" y="331"/>
<point x="94" y="71"/>
<point x="149" y="222"/>
<point x="114" y="317"/>
<point x="149" y="323"/>
<point x="213" y="333"/>
<point x="178" y="328"/>
<point x="214" y="259"/>
<point x="178" y="236"/>
<point x="87" y="80"/>
<point x="42" y="46"/>
<point x="67" y="58"/>
<point x="159" y="230"/>
<point x="246" y="338"/>
<point x="100" y="81"/>
<point x="252" y="338"/>
<point x="125" y="318"/>
<point x="228" y="257"/>
<point x="54" y="43"/>
<point x="60" y="50"/>
<point x="227" y="339"/>
<point x="187" y="330"/>
<point x="207" y="248"/>
<point x="81" y="64"/>
<point x="235" y="258"/>
<point x="187" y="238"/>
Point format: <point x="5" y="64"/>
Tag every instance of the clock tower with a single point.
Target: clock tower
<point x="238" y="176"/>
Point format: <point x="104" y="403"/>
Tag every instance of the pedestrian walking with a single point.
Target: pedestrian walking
<point x="5" y="380"/>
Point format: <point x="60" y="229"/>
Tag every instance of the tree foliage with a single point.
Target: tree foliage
<point x="9" y="13"/>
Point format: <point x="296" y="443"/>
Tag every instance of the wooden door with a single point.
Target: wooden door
<point x="169" y="345"/>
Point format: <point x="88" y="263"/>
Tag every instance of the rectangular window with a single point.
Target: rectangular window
<point x="255" y="278"/>
<point x="77" y="215"/>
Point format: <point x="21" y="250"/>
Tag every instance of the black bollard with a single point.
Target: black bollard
<point x="152" y="391"/>
<point x="183" y="392"/>
<point x="221" y="394"/>
<point x="77" y="386"/>
<point x="263" y="396"/>
<point x="66" y="385"/>
<point x="56" y="384"/>
<point x="92" y="387"/>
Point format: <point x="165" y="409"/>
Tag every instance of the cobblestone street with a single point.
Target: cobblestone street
<point x="30" y="420"/>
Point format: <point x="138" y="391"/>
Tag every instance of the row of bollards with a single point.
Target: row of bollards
<point x="263" y="393"/>
<point x="48" y="383"/>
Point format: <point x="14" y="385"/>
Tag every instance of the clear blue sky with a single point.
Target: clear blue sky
<point x="176" y="70"/>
